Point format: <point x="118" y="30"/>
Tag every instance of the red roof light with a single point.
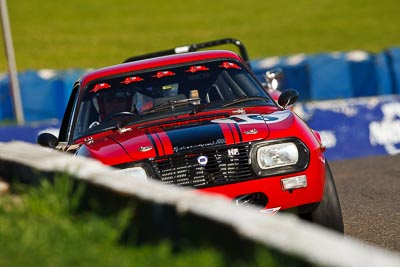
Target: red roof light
<point x="99" y="87"/>
<point x="162" y="74"/>
<point x="129" y="80"/>
<point x="229" y="65"/>
<point x="194" y="69"/>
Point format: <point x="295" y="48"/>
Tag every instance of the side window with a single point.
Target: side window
<point x="65" y="128"/>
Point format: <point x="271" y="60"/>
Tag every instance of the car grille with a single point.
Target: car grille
<point x="224" y="165"/>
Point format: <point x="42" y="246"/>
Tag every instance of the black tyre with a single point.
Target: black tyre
<point x="328" y="213"/>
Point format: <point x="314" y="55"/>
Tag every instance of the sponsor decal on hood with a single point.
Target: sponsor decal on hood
<point x="196" y="137"/>
<point x="256" y="118"/>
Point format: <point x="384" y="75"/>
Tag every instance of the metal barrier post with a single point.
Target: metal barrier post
<point x="16" y="95"/>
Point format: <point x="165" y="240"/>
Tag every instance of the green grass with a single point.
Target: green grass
<point x="47" y="226"/>
<point x="40" y="227"/>
<point x="74" y="34"/>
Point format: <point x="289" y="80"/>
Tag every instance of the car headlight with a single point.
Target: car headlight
<point x="135" y="172"/>
<point x="277" y="157"/>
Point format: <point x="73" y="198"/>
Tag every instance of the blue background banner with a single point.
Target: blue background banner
<point x="357" y="127"/>
<point x="28" y="133"/>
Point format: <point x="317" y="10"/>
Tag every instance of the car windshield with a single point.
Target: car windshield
<point x="206" y="85"/>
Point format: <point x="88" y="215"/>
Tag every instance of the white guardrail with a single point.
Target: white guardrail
<point x="282" y="232"/>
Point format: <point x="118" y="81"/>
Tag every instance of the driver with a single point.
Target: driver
<point x="112" y="102"/>
<point x="115" y="102"/>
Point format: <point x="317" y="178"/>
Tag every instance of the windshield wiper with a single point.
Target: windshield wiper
<point x="244" y="99"/>
<point x="173" y="104"/>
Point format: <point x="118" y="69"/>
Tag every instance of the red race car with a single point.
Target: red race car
<point x="201" y="120"/>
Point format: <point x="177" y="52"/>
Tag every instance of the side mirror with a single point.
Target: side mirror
<point x="273" y="78"/>
<point x="287" y="98"/>
<point x="47" y="140"/>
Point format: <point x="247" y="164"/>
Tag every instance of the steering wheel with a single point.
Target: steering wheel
<point x="118" y="114"/>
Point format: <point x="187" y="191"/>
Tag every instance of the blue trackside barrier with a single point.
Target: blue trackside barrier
<point x="295" y="70"/>
<point x="44" y="94"/>
<point x="383" y="70"/>
<point x="330" y="77"/>
<point x="338" y="75"/>
<point x="393" y="56"/>
<point x="363" y="74"/>
<point x="40" y="95"/>
<point x="356" y="127"/>
<point x="6" y="109"/>
<point x="28" y="133"/>
<point x="321" y="76"/>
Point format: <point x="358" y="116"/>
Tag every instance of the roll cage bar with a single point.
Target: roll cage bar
<point x="195" y="47"/>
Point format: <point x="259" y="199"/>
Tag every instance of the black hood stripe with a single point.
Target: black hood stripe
<point x="234" y="136"/>
<point x="239" y="132"/>
<point x="196" y="137"/>
<point x="231" y="132"/>
<point x="153" y="143"/>
<point x="162" y="145"/>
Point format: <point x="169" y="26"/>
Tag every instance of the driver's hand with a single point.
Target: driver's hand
<point x="93" y="124"/>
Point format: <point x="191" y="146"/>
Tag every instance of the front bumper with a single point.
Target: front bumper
<point x="271" y="187"/>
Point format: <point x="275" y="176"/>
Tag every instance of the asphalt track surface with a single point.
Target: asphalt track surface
<point x="369" y="193"/>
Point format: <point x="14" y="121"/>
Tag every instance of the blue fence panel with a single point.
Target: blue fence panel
<point x="384" y="84"/>
<point x="337" y="75"/>
<point x="329" y="77"/>
<point x="40" y="96"/>
<point x="297" y="75"/>
<point x="393" y="55"/>
<point x="362" y="73"/>
<point x="295" y="70"/>
<point x="44" y="94"/>
<point x="6" y="108"/>
<point x="27" y="133"/>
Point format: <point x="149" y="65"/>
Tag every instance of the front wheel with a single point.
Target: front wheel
<point x="328" y="213"/>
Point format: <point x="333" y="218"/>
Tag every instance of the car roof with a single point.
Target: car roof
<point x="158" y="62"/>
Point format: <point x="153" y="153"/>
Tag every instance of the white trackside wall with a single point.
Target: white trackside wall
<point x="282" y="232"/>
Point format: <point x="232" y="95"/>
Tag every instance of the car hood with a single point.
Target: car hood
<point x="134" y="144"/>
